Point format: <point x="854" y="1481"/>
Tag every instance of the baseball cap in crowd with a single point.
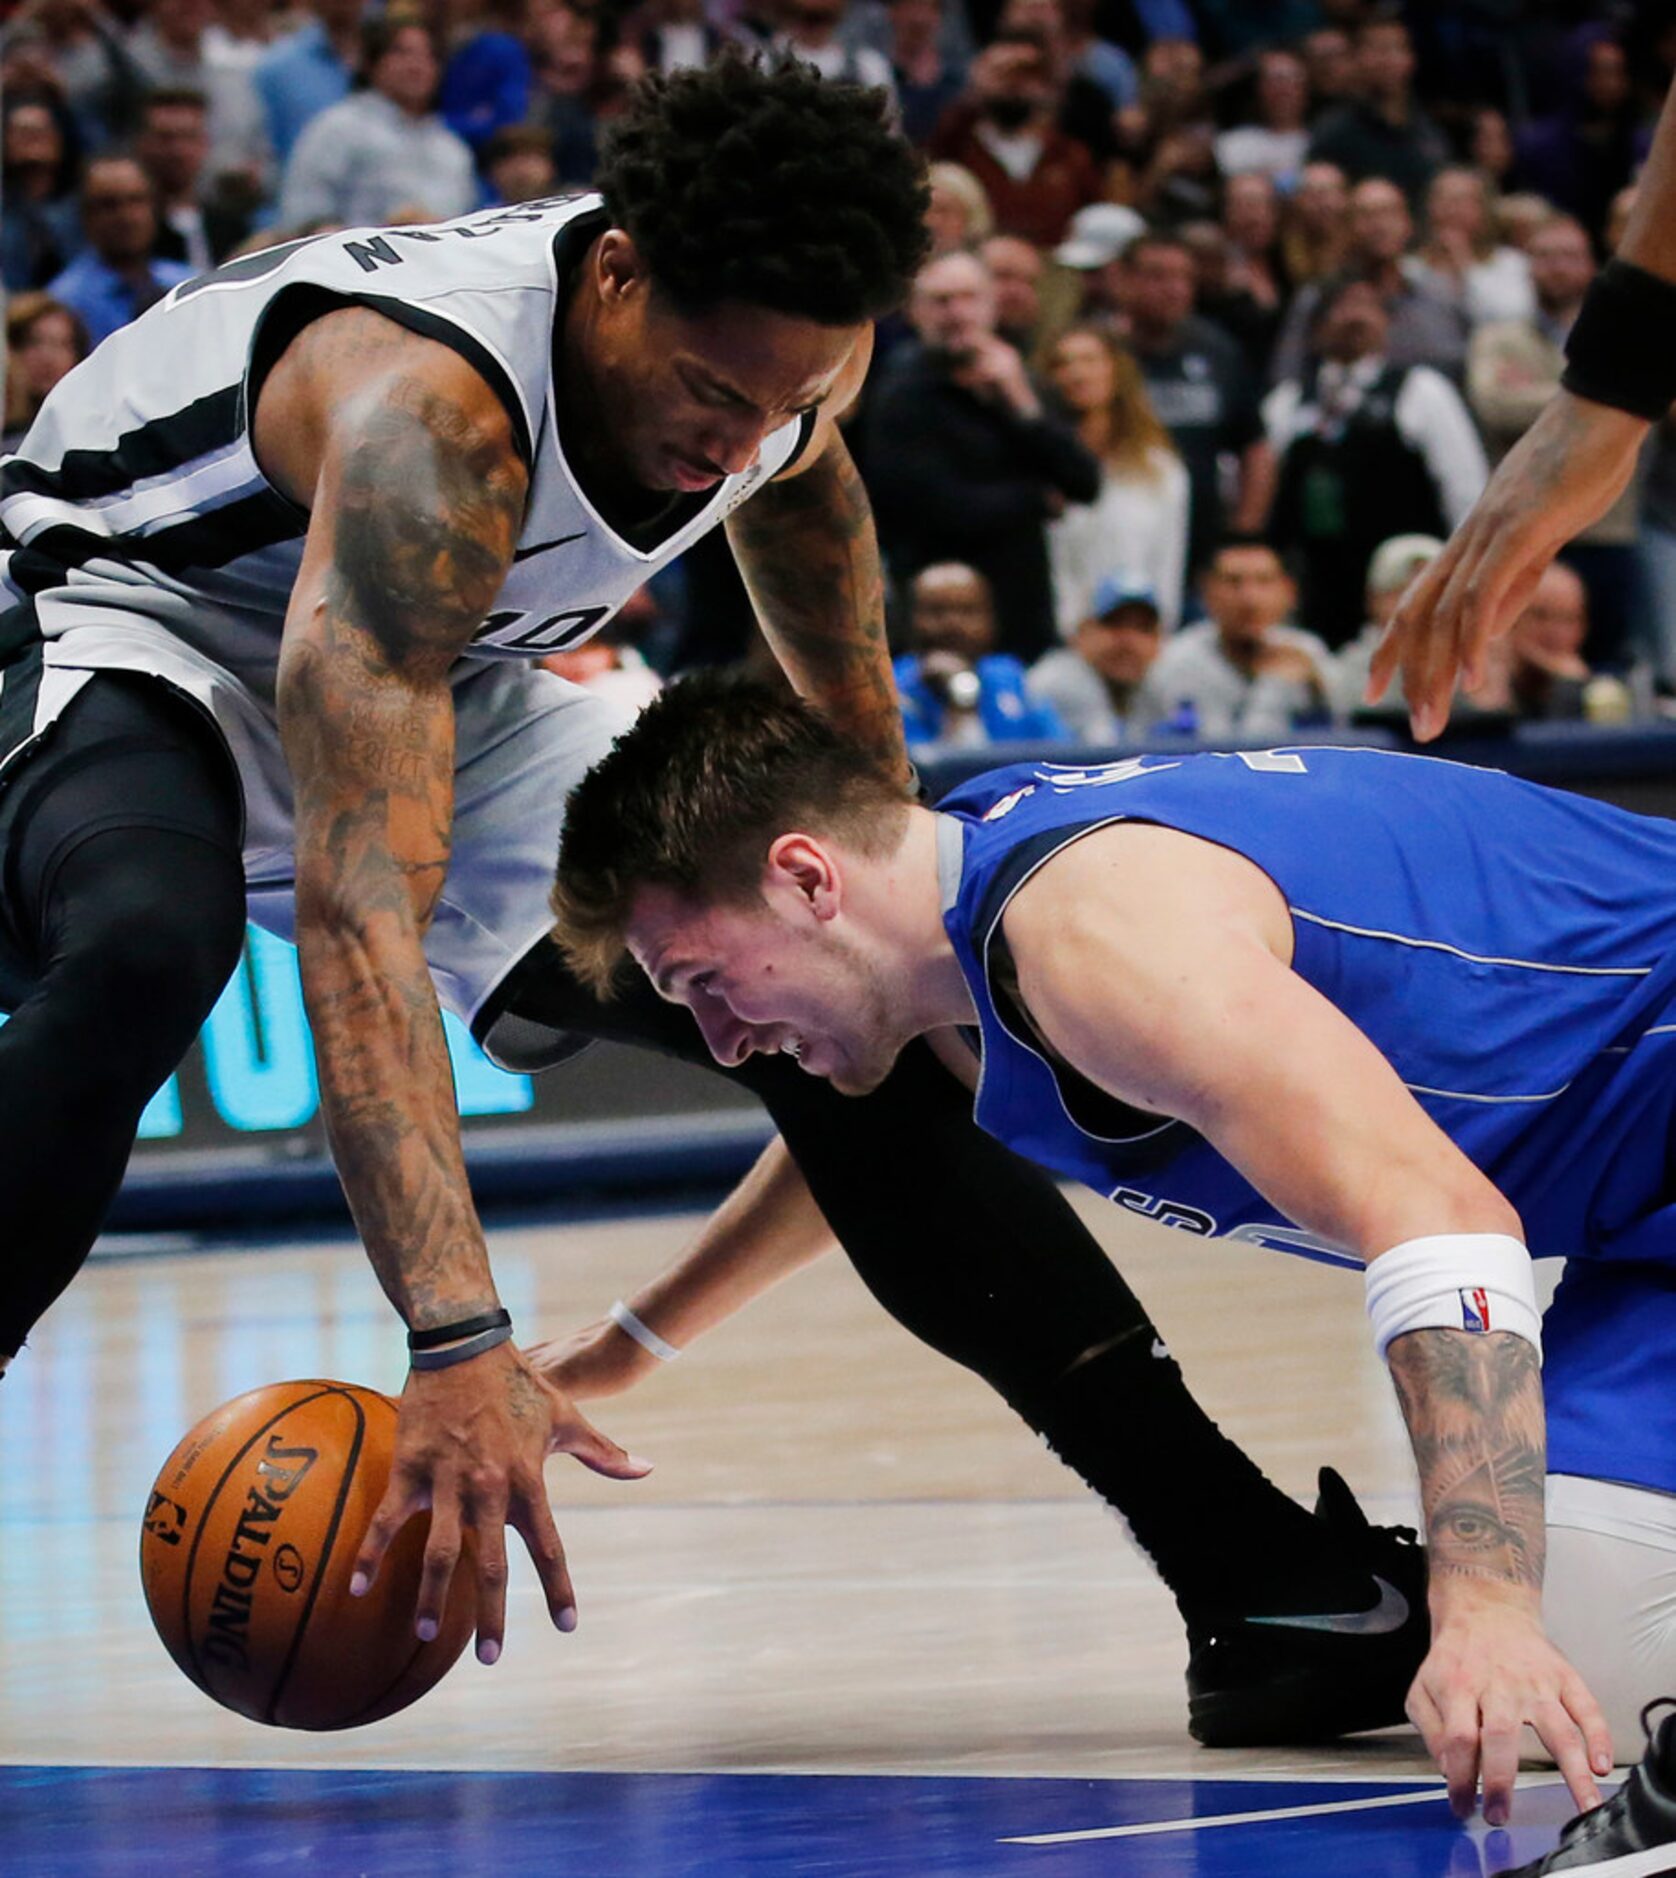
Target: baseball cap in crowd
<point x="1397" y="561"/>
<point x="1099" y="234"/>
<point x="1117" y="591"/>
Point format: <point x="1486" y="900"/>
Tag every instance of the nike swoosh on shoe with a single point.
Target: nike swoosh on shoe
<point x="1388" y="1615"/>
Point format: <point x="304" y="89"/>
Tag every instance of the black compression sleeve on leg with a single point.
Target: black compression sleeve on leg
<point x="978" y="1254"/>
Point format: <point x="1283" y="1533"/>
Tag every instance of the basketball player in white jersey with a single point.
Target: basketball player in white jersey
<point x="1564" y="473"/>
<point x="275" y="562"/>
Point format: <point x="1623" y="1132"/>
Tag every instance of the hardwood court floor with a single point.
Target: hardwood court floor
<point x="851" y="1558"/>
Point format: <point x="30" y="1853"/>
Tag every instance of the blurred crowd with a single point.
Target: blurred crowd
<point x="1231" y="304"/>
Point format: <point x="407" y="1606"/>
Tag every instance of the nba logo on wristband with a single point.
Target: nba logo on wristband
<point x="1475" y="1309"/>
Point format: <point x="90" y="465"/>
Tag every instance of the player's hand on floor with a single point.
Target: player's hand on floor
<point x="1490" y="1671"/>
<point x="1564" y="473"/>
<point x="471" y="1442"/>
<point x="597" y="1360"/>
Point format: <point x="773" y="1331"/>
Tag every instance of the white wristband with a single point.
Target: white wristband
<point x="643" y="1334"/>
<point x="1474" y="1281"/>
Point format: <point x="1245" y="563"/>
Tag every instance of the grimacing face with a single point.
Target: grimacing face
<point x="771" y="976"/>
<point x="693" y="395"/>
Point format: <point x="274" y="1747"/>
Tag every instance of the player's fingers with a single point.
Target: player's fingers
<point x="1457" y="1754"/>
<point x="491" y="1583"/>
<point x="1499" y="1762"/>
<point x="400" y="1503"/>
<point x="442" y="1554"/>
<point x="533" y="1518"/>
<point x="1587" y="1713"/>
<point x="1560" y="1734"/>
<point x="577" y="1436"/>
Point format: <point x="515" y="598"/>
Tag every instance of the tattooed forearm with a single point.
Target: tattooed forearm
<point x="809" y="556"/>
<point x="1473" y="1405"/>
<point x="419" y="522"/>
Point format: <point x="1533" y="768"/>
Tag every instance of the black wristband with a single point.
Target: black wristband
<point x="1620" y="349"/>
<point x="453" y="1333"/>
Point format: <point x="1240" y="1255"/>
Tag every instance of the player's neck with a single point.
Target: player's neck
<point x="908" y="915"/>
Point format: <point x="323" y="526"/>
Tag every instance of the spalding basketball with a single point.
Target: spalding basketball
<point x="249" y="1540"/>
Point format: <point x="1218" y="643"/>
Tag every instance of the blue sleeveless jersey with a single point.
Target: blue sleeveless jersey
<point x="1511" y="950"/>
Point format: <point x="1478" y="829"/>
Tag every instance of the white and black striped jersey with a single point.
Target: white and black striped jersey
<point x="136" y="491"/>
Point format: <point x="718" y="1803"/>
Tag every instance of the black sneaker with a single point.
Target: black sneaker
<point x="1279" y="1679"/>
<point x="1633" y="1835"/>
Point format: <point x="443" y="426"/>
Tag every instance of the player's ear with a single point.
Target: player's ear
<point x="807" y="867"/>
<point x="619" y="271"/>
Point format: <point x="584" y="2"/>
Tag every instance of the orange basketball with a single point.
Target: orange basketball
<point x="249" y="1539"/>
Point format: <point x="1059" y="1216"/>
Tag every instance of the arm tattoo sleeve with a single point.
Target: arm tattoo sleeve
<point x="1473" y="1405"/>
<point x="810" y="561"/>
<point x="425" y="513"/>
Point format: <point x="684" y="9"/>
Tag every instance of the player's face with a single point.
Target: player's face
<point x="761" y="978"/>
<point x="689" y="397"/>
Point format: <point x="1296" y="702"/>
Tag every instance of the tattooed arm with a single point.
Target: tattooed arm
<point x="809" y="557"/>
<point x="407" y="464"/>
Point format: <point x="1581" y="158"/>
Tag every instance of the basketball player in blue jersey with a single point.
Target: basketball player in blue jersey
<point x="1373" y="1007"/>
<point x="274" y="564"/>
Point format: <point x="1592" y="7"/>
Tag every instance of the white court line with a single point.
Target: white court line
<point x="1228" y="1819"/>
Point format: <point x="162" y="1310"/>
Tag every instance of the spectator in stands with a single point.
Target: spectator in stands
<point x="1276" y="141"/>
<point x="1382" y="131"/>
<point x="488" y="79"/>
<point x="1490" y="147"/>
<point x="44" y="338"/>
<point x="173" y="147"/>
<point x="1424" y="329"/>
<point x="1016" y="268"/>
<point x="957" y="691"/>
<point x="1201" y="389"/>
<point x="115" y="277"/>
<point x="1367" y="448"/>
<point x="1139" y="517"/>
<point x="572" y="48"/>
<point x="1315" y="235"/>
<point x="611" y="664"/>
<point x="926" y="79"/>
<point x="810" y="31"/>
<point x="1256" y="269"/>
<point x="40" y="229"/>
<point x="1586" y="152"/>
<point x="1539" y="670"/>
<point x="1394" y="563"/>
<point x="1519" y="218"/>
<point x="1086" y="282"/>
<point x="1513" y="370"/>
<point x="677" y="34"/>
<point x="1100" y="685"/>
<point x="958" y="214"/>
<point x="73" y="51"/>
<point x="1244" y="672"/>
<point x="300" y="75"/>
<point x="1005" y="130"/>
<point x="1461" y="260"/>
<point x="1098" y="60"/>
<point x="169" y="47"/>
<point x="963" y="462"/>
<point x="1330" y="61"/>
<point x="383" y="152"/>
<point x="518" y="165"/>
<point x="1223" y="297"/>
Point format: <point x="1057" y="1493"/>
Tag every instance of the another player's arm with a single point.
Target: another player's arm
<point x="1160" y="967"/>
<point x="407" y="464"/>
<point x="1559" y="478"/>
<point x="809" y="557"/>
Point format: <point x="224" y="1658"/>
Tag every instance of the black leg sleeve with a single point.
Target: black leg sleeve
<point x="977" y="1253"/>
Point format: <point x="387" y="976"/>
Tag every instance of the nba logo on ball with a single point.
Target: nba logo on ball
<point x="1475" y="1309"/>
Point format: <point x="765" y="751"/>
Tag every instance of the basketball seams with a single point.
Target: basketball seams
<point x="346" y="1480"/>
<point x="188" y="1630"/>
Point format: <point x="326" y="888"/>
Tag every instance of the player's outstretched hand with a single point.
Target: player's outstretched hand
<point x="597" y="1360"/>
<point x="1489" y="1672"/>
<point x="1564" y="473"/>
<point x="470" y="1445"/>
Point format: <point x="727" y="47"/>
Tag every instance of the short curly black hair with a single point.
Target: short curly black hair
<point x="762" y="182"/>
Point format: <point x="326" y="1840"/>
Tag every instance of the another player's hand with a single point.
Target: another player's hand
<point x="598" y="1360"/>
<point x="470" y="1445"/>
<point x="1563" y="474"/>
<point x="1490" y="1671"/>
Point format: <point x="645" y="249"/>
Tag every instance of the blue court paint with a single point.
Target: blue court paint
<point x="66" y="1822"/>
